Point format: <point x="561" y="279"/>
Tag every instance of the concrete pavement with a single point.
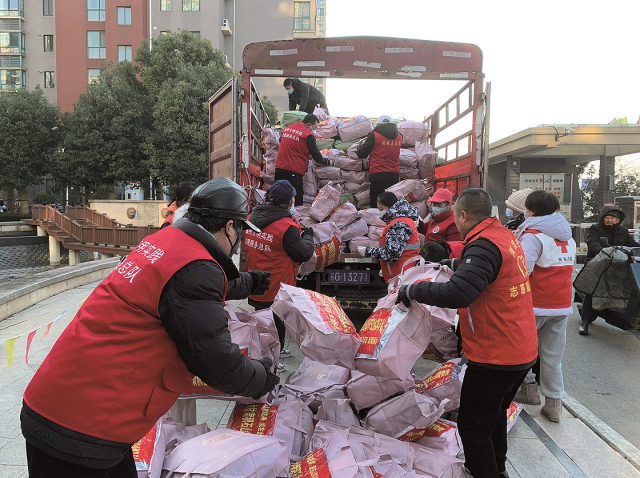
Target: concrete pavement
<point x="537" y="447"/>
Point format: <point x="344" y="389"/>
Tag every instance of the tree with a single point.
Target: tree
<point x="626" y="183"/>
<point x="106" y="132"/>
<point x="271" y="110"/>
<point x="31" y="133"/>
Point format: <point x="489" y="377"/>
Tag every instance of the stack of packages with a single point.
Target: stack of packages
<point x="353" y="409"/>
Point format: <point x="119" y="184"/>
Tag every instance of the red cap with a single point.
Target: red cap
<point x="442" y="195"/>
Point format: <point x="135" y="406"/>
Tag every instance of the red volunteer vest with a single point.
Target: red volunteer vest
<point x="499" y="328"/>
<point x="551" y="284"/>
<point x="385" y="155"/>
<point x="114" y="370"/>
<point x="293" y="154"/>
<point x="411" y="250"/>
<point x="265" y="253"/>
<point x="456" y="249"/>
<point x="437" y="230"/>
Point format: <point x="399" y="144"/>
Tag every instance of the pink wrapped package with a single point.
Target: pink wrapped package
<point x="372" y="216"/>
<point x="354" y="176"/>
<point x="345" y="459"/>
<point x="445" y="382"/>
<point x="435" y="463"/>
<point x="326" y="239"/>
<point x="348" y="164"/>
<point x="308" y="200"/>
<point x="325" y="203"/>
<point x="423" y="271"/>
<point x="310" y="189"/>
<point x="408" y="159"/>
<point x="327" y="128"/>
<point x="327" y="172"/>
<point x="421" y="206"/>
<point x="351" y="151"/>
<point x="426" y="159"/>
<point x="393" y="338"/>
<point x="362" y="198"/>
<point x="307" y="221"/>
<point x="271" y="139"/>
<point x="290" y="421"/>
<point x="162" y="439"/>
<point x="264" y="322"/>
<point x="413" y="132"/>
<point x="512" y="414"/>
<point x="411" y="189"/>
<point x="365" y="391"/>
<point x="225" y="453"/>
<point x="332" y="153"/>
<point x="443" y="345"/>
<point x="355" y="229"/>
<point x="320" y="113"/>
<point x="339" y="411"/>
<point x="361" y="241"/>
<point x="354" y="188"/>
<point x="337" y="185"/>
<point x="343" y="216"/>
<point x="443" y="436"/>
<point x="354" y="128"/>
<point x="318" y="325"/>
<point x="391" y="469"/>
<point x="375" y="232"/>
<point x="405" y="417"/>
<point x="407" y="172"/>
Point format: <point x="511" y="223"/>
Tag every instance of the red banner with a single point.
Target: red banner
<point x="312" y="466"/>
<point x="332" y="314"/>
<point x="255" y="419"/>
<point x="372" y="330"/>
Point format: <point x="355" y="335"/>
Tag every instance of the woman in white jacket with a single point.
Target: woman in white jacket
<point x="550" y="253"/>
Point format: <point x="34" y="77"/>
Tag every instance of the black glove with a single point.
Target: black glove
<point x="307" y="231"/>
<point x="403" y="296"/>
<point x="271" y="381"/>
<point x="446" y="262"/>
<point x="261" y="282"/>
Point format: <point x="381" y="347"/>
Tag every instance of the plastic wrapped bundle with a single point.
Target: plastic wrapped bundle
<point x="361" y="241"/>
<point x="422" y="208"/>
<point x="338" y="411"/>
<point x="271" y="139"/>
<point x="337" y="185"/>
<point x="327" y="172"/>
<point x="372" y="216"/>
<point x="348" y="164"/>
<point x="375" y="232"/>
<point x="413" y="132"/>
<point x="408" y="172"/>
<point x="365" y="391"/>
<point x="356" y="228"/>
<point x="363" y="198"/>
<point x="332" y="153"/>
<point x="351" y="151"/>
<point x="444" y="382"/>
<point x="442" y="435"/>
<point x="411" y="189"/>
<point x="354" y="128"/>
<point x="354" y="176"/>
<point x="355" y="188"/>
<point x="426" y="159"/>
<point x="287" y="118"/>
<point x="320" y="113"/>
<point x="324" y="203"/>
<point x="327" y="128"/>
<point x="326" y="238"/>
<point x="408" y="159"/>
<point x="343" y="216"/>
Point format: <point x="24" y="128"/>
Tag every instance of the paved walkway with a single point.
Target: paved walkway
<point x="537" y="448"/>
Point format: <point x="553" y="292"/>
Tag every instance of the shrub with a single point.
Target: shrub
<point x="44" y="197"/>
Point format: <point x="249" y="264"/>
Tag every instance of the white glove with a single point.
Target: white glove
<point x="361" y="250"/>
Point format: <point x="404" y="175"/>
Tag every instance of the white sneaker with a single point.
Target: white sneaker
<point x="285" y="353"/>
<point x="280" y="368"/>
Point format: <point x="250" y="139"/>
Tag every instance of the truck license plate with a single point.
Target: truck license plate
<point x="349" y="277"/>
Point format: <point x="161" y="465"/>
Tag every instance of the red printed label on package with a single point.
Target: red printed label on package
<point x="439" y="377"/>
<point x="438" y="428"/>
<point x="143" y="450"/>
<point x="410" y="198"/>
<point x="332" y="314"/>
<point x="413" y="434"/>
<point x="312" y="466"/>
<point x="372" y="330"/>
<point x="327" y="253"/>
<point x="375" y="475"/>
<point x="255" y="419"/>
<point x="334" y="211"/>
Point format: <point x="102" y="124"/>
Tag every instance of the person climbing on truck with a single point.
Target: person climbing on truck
<point x="305" y="95"/>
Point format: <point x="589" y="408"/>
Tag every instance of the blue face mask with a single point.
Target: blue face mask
<point x="509" y="214"/>
<point x="293" y="209"/>
<point x="382" y="213"/>
<point x="290" y="92"/>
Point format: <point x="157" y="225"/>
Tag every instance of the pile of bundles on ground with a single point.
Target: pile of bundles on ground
<point x="354" y="408"/>
<point x="336" y="198"/>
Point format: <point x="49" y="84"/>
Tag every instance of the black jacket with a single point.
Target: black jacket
<point x="514" y="223"/>
<point x="306" y="96"/>
<point x="617" y="235"/>
<point x="192" y="312"/>
<point x="388" y="130"/>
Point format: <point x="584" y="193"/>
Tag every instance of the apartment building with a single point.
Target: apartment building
<point x="62" y="45"/>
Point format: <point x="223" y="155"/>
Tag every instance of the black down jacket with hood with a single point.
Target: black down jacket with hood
<point x="617" y="235"/>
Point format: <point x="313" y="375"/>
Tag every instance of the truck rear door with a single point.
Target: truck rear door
<point x="223" y="132"/>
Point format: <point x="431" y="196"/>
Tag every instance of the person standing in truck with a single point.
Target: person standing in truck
<point x="382" y="145"/>
<point x="280" y="248"/>
<point x="297" y="144"/>
<point x="305" y="95"/>
<point x="441" y="226"/>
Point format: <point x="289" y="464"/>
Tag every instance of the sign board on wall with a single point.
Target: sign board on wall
<point x="549" y="182"/>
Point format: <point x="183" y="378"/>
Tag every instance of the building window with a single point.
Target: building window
<point x="124" y="53"/>
<point x="190" y="5"/>
<point x="11" y="42"/>
<point x="96" y="45"/>
<point x="320" y="14"/>
<point x="47" y="8"/>
<point x="320" y="30"/>
<point x="124" y="15"/>
<point x="319" y="2"/>
<point x="93" y="75"/>
<point x="197" y="34"/>
<point x="165" y="5"/>
<point x="10" y="79"/>
<point x="11" y="8"/>
<point x="10" y="61"/>
<point x="48" y="42"/>
<point x="301" y="15"/>
<point x="95" y="10"/>
<point x="163" y="33"/>
<point x="48" y="79"/>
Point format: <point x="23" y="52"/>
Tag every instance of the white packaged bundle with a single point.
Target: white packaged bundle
<point x="354" y="128"/>
<point x="413" y="132"/>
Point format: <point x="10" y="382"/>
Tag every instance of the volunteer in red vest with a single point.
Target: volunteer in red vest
<point x="382" y="145"/>
<point x="142" y="338"/>
<point x="181" y="199"/>
<point x="550" y="252"/>
<point x="280" y="248"/>
<point x="491" y="289"/>
<point x="297" y="145"/>
<point x="399" y="240"/>
<point x="441" y="226"/>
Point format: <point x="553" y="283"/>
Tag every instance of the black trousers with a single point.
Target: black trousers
<point x="380" y="182"/>
<point x="296" y="181"/>
<point x="42" y="465"/>
<point x="482" y="420"/>
<point x="282" y="330"/>
<point x="588" y="313"/>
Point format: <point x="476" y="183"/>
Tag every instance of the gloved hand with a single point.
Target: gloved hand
<point x="271" y="381"/>
<point x="362" y="251"/>
<point x="403" y="296"/>
<point x="446" y="262"/>
<point x="308" y="231"/>
<point x="261" y="282"/>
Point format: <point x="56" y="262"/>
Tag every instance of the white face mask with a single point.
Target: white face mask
<point x="438" y="210"/>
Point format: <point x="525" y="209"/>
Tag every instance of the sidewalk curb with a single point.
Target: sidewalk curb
<point x="604" y="431"/>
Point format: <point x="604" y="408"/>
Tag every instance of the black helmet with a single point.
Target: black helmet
<point x="222" y="198"/>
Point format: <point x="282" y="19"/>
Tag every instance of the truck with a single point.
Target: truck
<point x="237" y="116"/>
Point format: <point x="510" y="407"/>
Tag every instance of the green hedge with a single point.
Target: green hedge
<point x="10" y="217"/>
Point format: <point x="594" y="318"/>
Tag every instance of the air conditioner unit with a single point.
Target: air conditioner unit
<point x="226" y="30"/>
